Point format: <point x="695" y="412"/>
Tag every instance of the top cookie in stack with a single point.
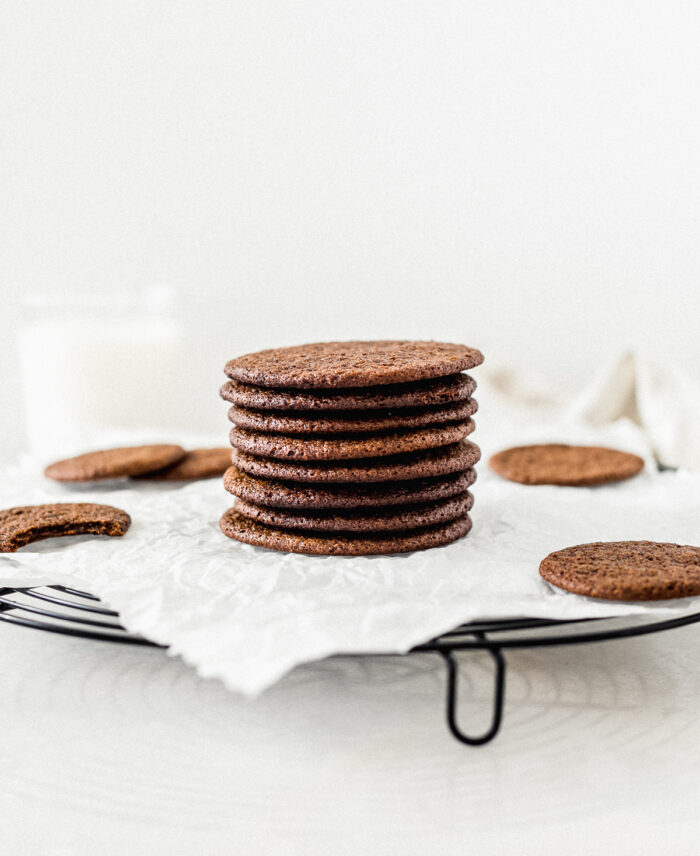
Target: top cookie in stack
<point x="351" y="448"/>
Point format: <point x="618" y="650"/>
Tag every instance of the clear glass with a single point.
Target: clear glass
<point x="90" y="363"/>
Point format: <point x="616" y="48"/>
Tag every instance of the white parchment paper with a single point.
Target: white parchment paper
<point x="247" y="615"/>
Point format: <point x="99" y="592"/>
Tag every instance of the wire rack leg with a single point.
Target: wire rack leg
<point x="498" y="697"/>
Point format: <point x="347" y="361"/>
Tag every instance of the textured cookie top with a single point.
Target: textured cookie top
<point x="444" y="390"/>
<point x="559" y="464"/>
<point x="368" y="520"/>
<point x="115" y="463"/>
<point x="414" y="465"/>
<point x="283" y="494"/>
<point x="331" y="365"/>
<point x="234" y="525"/>
<point x="626" y="570"/>
<point x="334" y="448"/>
<point x="301" y="422"/>
<point x="24" y="524"/>
<point x="197" y="464"/>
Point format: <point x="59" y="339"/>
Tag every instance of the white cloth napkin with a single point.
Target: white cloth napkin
<point x="661" y="397"/>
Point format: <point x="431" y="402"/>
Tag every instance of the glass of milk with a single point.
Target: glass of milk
<point x="93" y="363"/>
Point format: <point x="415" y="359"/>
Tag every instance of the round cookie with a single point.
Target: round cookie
<point x="625" y="570"/>
<point x="445" y="390"/>
<point x="285" y="447"/>
<point x="416" y="465"/>
<point x="25" y="524"/>
<point x="281" y="494"/>
<point x="197" y="464"/>
<point x="332" y="365"/>
<point x="559" y="464"/>
<point x="354" y="421"/>
<point x="115" y="463"/>
<point x="402" y="518"/>
<point x="240" y="528"/>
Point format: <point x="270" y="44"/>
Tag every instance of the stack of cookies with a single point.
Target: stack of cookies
<point x="351" y="448"/>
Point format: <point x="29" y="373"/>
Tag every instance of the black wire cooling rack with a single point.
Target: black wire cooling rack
<point x="69" y="611"/>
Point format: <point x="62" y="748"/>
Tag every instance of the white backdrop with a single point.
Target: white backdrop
<point x="523" y="177"/>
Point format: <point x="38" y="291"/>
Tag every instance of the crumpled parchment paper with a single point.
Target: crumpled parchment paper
<point x="248" y="615"/>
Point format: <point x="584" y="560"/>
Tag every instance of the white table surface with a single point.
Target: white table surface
<point x="114" y="750"/>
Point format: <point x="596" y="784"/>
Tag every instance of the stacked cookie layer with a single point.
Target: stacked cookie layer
<point x="351" y="448"/>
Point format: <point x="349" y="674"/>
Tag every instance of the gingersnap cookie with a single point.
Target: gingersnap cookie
<point x="284" y="494"/>
<point x="276" y="421"/>
<point x="23" y="525"/>
<point x="332" y="365"/>
<point x="289" y="447"/>
<point x="197" y="464"/>
<point x="626" y="570"/>
<point x="415" y="465"/>
<point x="240" y="528"/>
<point x="403" y="517"/>
<point x="426" y="393"/>
<point x="559" y="464"/>
<point x="115" y="463"/>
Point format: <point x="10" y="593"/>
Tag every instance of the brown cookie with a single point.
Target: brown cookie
<point x="415" y="465"/>
<point x="284" y="494"/>
<point x="277" y="421"/>
<point x="403" y="517"/>
<point x="287" y="447"/>
<point x="22" y="525"/>
<point x="426" y="393"/>
<point x="240" y="528"/>
<point x="197" y="464"/>
<point x="559" y="464"/>
<point x="332" y="365"/>
<point x="115" y="463"/>
<point x="626" y="570"/>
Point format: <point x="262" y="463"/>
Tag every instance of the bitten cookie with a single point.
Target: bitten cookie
<point x="444" y="390"/>
<point x="282" y="494"/>
<point x="330" y="365"/>
<point x="625" y="570"/>
<point x="289" y="447"/>
<point x="416" y="465"/>
<point x="559" y="464"/>
<point x="240" y="528"/>
<point x="197" y="464"/>
<point x="115" y="463"/>
<point x="367" y="521"/>
<point x="25" y="524"/>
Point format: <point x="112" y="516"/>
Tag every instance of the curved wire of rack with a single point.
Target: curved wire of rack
<point x="72" y="612"/>
<point x="69" y="615"/>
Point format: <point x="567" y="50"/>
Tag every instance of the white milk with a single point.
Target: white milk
<point x="86" y="369"/>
